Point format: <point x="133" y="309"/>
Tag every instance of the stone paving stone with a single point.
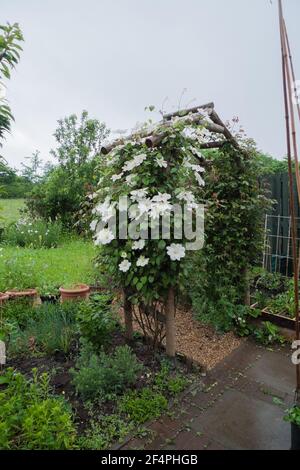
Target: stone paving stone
<point x="234" y="408"/>
<point x="241" y="422"/>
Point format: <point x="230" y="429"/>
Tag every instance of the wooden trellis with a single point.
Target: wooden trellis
<point x="218" y="135"/>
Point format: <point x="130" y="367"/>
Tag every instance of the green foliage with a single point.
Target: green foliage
<point x="19" y="275"/>
<point x="33" y="234"/>
<point x="96" y="319"/>
<point x="100" y="376"/>
<point x="268" y="334"/>
<point x="216" y="277"/>
<point x="144" y="405"/>
<point x="30" y="418"/>
<point x="165" y="383"/>
<point x="293" y="415"/>
<point x="70" y="263"/>
<point x="10" y="38"/>
<point x="104" y="431"/>
<point x="67" y="185"/>
<point x="50" y="329"/>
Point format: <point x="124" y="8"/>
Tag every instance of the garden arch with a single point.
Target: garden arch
<point x="217" y="136"/>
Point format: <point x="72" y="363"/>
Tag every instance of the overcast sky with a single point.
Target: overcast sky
<point x="114" y="57"/>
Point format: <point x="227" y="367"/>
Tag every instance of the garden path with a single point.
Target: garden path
<point x="235" y="406"/>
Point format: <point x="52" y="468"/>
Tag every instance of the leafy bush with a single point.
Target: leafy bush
<point x="33" y="234"/>
<point x="293" y="415"/>
<point x="67" y="185"/>
<point x="103" y="432"/>
<point x="104" y="375"/>
<point x="51" y="329"/>
<point x="96" y="320"/>
<point x="144" y="405"/>
<point x="30" y="418"/>
<point x="268" y="334"/>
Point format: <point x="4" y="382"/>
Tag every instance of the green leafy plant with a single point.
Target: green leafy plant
<point x="144" y="405"/>
<point x="166" y="383"/>
<point x="268" y="334"/>
<point x="96" y="320"/>
<point x="30" y="418"/>
<point x="293" y="415"/>
<point x="104" y="431"/>
<point x="52" y="329"/>
<point x="100" y="376"/>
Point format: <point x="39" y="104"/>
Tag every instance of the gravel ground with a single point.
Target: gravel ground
<point x="200" y="342"/>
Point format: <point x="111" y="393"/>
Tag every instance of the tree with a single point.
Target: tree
<point x="9" y="57"/>
<point x="33" y="171"/>
<point x="64" y="190"/>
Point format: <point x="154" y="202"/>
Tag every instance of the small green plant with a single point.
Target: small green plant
<point x="144" y="405"/>
<point x="30" y="418"/>
<point x="96" y="320"/>
<point x="51" y="329"/>
<point x="166" y="383"/>
<point x="100" y="376"/>
<point x="104" y="431"/>
<point x="33" y="234"/>
<point x="268" y="334"/>
<point x="293" y="415"/>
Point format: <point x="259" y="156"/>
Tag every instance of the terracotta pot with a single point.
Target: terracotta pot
<point x="3" y="298"/>
<point x="29" y="294"/>
<point x="78" y="292"/>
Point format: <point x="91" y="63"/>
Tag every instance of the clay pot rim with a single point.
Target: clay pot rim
<point x="77" y="289"/>
<point x="4" y="296"/>
<point x="21" y="293"/>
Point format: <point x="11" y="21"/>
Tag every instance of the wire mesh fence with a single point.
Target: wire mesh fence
<point x="277" y="251"/>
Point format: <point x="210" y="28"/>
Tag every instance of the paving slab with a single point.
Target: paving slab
<point x="233" y="408"/>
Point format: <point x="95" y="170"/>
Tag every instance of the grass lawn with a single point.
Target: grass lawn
<point x="9" y="210"/>
<point x="70" y="263"/>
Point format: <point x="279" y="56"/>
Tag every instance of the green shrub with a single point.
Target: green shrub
<point x="144" y="405"/>
<point x="96" y="320"/>
<point x="102" y="376"/>
<point x="33" y="234"/>
<point x="20" y="312"/>
<point x="30" y="418"/>
<point x="51" y="329"/>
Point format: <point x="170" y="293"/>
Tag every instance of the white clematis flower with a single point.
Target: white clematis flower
<point x="138" y="194"/>
<point x="104" y="237"/>
<point x="176" y="251"/>
<point x="139" y="245"/>
<point x="142" y="261"/>
<point x="161" y="197"/>
<point x="187" y="196"/>
<point x="93" y="225"/>
<point x="115" y="178"/>
<point x="199" y="179"/>
<point x="124" y="266"/>
<point x="161" y="162"/>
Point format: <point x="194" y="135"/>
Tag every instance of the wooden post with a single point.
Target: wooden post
<point x="247" y="299"/>
<point x="128" y="316"/>
<point x="170" y="324"/>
